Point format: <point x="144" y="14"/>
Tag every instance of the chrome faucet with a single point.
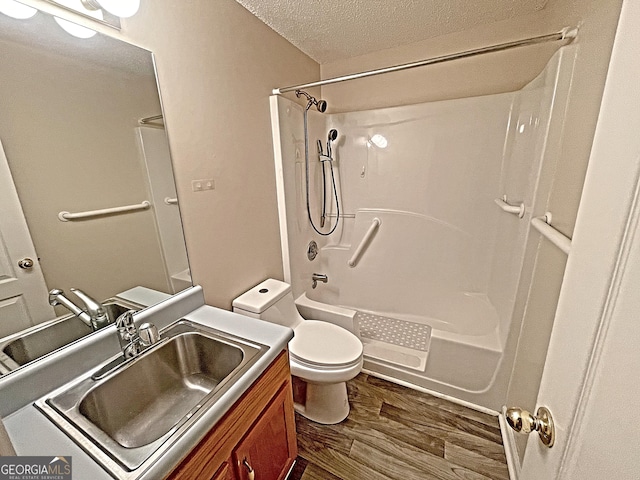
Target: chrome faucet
<point x="318" y="277"/>
<point x="94" y="314"/>
<point x="133" y="341"/>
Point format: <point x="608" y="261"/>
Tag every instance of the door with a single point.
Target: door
<point x="23" y="293"/>
<point x="591" y="380"/>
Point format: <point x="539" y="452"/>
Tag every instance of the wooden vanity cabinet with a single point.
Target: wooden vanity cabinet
<point x="257" y="434"/>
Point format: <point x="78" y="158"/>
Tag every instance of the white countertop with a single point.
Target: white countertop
<point x="32" y="433"/>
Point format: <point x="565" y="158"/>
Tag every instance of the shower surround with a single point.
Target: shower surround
<point x="433" y="291"/>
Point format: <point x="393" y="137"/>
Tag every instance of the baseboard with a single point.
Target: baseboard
<point x="510" y="450"/>
<point x="449" y="398"/>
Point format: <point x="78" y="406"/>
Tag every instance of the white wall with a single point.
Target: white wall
<point x="442" y="166"/>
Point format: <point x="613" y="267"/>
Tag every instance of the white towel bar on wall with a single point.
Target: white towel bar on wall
<point x="66" y="216"/>
<point x="543" y="225"/>
<point x="506" y="207"/>
<point x="364" y="243"/>
<point x="342" y="215"/>
<point x="170" y="201"/>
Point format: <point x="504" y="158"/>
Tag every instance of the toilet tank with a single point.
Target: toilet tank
<point x="271" y="300"/>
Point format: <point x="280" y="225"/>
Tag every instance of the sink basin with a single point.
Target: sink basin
<point x="49" y="336"/>
<point x="145" y="401"/>
<point x="134" y="411"/>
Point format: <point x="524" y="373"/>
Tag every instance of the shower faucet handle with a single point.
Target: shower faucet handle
<point x="318" y="277"/>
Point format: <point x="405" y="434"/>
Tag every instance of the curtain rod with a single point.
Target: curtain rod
<point x="568" y="33"/>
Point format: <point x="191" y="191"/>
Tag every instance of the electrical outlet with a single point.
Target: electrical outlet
<point x="203" y="184"/>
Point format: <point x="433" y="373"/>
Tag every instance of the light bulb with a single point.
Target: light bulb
<point x="75" y="29"/>
<point x="379" y="141"/>
<point x="119" y="8"/>
<point x="17" y="10"/>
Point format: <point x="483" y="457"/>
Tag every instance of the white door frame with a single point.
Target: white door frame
<point x="603" y="237"/>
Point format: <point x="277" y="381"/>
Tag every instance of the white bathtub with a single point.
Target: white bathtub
<point x="463" y="356"/>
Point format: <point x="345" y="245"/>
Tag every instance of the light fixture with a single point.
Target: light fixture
<point x="379" y="141"/>
<point x="73" y="28"/>
<point x="17" y="10"/>
<point x="119" y="8"/>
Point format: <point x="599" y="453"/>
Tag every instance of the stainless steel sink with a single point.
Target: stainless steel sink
<point x="49" y="336"/>
<point x="147" y="401"/>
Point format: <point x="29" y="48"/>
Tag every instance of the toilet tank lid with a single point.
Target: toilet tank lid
<point x="262" y="296"/>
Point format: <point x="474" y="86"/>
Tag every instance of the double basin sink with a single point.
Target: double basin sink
<point x="134" y="412"/>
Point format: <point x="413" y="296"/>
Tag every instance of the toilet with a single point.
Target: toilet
<point x="322" y="356"/>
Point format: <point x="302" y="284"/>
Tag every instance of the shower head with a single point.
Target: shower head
<point x="333" y="134"/>
<point x="321" y="105"/>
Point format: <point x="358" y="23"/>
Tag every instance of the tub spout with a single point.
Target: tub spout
<point x="318" y="277"/>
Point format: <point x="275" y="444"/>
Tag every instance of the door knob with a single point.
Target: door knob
<point x="523" y="422"/>
<point x="25" y="263"/>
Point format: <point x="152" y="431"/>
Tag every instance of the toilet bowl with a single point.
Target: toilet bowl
<point x="323" y="356"/>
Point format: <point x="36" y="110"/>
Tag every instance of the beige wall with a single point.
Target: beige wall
<point x="217" y="64"/>
<point x="68" y="128"/>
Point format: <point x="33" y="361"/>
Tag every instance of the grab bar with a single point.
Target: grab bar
<point x="342" y="215"/>
<point x="364" y="243"/>
<point x="543" y="225"/>
<point x="170" y="201"/>
<point x="506" y="207"/>
<point x="66" y="216"/>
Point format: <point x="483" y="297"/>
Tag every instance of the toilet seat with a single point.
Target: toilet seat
<point x="324" y="346"/>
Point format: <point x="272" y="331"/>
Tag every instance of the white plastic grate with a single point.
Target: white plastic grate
<point x="393" y="331"/>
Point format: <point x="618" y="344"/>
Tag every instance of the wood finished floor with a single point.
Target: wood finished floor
<point x="393" y="432"/>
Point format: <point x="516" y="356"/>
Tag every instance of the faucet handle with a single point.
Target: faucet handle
<point x="125" y="324"/>
<point x="53" y="296"/>
<point x="148" y="333"/>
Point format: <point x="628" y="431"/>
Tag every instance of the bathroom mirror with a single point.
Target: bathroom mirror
<point x="72" y="141"/>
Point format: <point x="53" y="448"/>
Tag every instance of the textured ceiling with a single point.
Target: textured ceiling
<point x="329" y="30"/>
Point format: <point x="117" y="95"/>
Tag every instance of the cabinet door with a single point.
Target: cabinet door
<point x="269" y="449"/>
<point x="225" y="472"/>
